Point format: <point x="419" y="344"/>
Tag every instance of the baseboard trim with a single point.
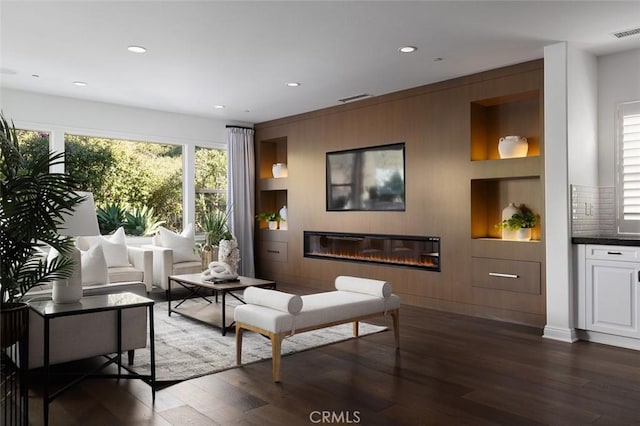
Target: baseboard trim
<point x="609" y="339"/>
<point x="567" y="335"/>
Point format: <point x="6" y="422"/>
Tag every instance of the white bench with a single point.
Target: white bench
<point x="277" y="315"/>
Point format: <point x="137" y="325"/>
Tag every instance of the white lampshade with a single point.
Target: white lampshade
<point x="83" y="220"/>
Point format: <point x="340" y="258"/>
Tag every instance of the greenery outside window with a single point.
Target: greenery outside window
<point x="135" y="176"/>
<point x="628" y="164"/>
<point x="210" y="182"/>
<point x="32" y="142"/>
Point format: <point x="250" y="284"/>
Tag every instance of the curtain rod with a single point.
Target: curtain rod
<point x="239" y="127"/>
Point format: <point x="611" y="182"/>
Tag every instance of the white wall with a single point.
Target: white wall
<point x="618" y="81"/>
<point x="582" y="117"/>
<point x="59" y="115"/>
<point x="109" y="120"/>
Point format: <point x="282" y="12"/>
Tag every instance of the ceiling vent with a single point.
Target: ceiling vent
<point x="354" y="98"/>
<point x="627" y="33"/>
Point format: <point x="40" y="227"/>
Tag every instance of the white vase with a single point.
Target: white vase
<point x="66" y="291"/>
<point x="523" y="234"/>
<point x="279" y="170"/>
<point x="273" y="224"/>
<point x="507" y="213"/>
<point x="283" y="218"/>
<point x="513" y="147"/>
<point x="69" y="290"/>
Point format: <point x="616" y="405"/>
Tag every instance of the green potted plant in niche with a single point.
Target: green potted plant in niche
<point x="271" y="218"/>
<point x="522" y="222"/>
<point x="32" y="203"/>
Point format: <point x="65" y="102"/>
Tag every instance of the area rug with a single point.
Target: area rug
<point x="186" y="348"/>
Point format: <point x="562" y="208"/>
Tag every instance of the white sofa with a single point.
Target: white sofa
<point x="276" y="315"/>
<point x="88" y="335"/>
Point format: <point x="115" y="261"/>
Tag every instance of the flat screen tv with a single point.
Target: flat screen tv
<point x="369" y="178"/>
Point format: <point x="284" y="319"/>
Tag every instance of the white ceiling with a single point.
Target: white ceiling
<point x="242" y="53"/>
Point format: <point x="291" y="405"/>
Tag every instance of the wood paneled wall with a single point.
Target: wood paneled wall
<point x="435" y="123"/>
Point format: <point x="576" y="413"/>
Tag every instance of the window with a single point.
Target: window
<point x="211" y="181"/>
<point x="32" y="142"/>
<point x="136" y="176"/>
<point x="628" y="183"/>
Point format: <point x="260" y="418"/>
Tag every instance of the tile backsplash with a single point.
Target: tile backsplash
<point x="593" y="211"/>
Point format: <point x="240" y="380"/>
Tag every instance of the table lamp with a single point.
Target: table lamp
<point x="82" y="221"/>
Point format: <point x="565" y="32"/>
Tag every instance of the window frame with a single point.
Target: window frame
<point x="627" y="217"/>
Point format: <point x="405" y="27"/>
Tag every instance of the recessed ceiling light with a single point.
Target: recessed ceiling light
<point x="136" y="49"/>
<point x="293" y="84"/>
<point x="219" y="106"/>
<point x="407" y="49"/>
<point x="35" y="75"/>
<point x="80" y="83"/>
<point x="438" y="59"/>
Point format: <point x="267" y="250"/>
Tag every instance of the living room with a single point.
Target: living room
<point x="567" y="92"/>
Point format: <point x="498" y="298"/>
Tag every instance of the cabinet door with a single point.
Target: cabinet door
<point x="613" y="297"/>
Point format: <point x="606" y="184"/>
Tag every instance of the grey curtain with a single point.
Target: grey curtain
<point x="241" y="195"/>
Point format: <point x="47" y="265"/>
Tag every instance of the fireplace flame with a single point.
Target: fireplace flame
<point x="426" y="260"/>
<point x="410" y="251"/>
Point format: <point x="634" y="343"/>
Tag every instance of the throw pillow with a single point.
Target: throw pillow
<point x="284" y="302"/>
<point x="182" y="244"/>
<point x="115" y="249"/>
<point x="94" y="266"/>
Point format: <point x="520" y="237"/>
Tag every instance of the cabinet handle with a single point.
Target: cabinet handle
<point x="273" y="251"/>
<point x="498" y="274"/>
<point x="618" y="253"/>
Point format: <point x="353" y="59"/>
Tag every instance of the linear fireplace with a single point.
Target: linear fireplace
<point x="394" y="250"/>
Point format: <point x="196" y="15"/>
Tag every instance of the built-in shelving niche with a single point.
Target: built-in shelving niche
<point x="491" y="119"/>
<point x="490" y="196"/>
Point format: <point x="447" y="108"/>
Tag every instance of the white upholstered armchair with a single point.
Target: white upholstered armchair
<point x="125" y="263"/>
<point x="173" y="254"/>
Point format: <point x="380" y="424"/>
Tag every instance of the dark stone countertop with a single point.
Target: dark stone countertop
<point x="607" y="241"/>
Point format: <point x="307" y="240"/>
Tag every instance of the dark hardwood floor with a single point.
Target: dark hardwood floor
<point x="450" y="370"/>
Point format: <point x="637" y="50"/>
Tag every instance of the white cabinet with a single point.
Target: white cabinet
<point x="612" y="290"/>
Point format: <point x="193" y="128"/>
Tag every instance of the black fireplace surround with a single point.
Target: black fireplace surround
<point x="393" y="250"/>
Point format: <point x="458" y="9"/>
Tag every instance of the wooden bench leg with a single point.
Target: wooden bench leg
<point x="276" y="347"/>
<point x="355" y="329"/>
<point x="396" y="326"/>
<point x="239" y="331"/>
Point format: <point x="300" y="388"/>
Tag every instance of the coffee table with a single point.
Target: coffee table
<point x="213" y="313"/>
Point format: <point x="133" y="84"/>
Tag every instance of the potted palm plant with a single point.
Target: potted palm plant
<point x="215" y="224"/>
<point x="32" y="203"/>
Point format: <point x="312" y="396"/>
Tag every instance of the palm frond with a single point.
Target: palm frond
<point x="32" y="203"/>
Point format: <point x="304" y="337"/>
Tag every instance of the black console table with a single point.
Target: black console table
<point x="49" y="311"/>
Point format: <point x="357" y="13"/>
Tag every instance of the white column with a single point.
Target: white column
<point x="557" y="197"/>
<point x="56" y="144"/>
<point x="188" y="184"/>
